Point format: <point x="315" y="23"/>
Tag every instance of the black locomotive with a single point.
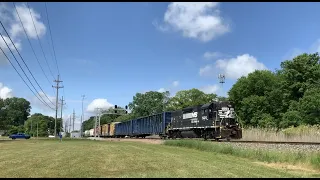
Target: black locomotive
<point x="214" y="120"/>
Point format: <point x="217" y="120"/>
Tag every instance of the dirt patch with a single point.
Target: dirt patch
<point x="149" y="141"/>
<point x="290" y="167"/>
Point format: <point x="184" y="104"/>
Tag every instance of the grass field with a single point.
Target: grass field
<point x="88" y="158"/>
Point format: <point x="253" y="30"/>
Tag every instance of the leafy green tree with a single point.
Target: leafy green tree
<point x="250" y="106"/>
<point x="264" y="120"/>
<point x="291" y="118"/>
<point x="188" y="98"/>
<point x="125" y="118"/>
<point x="16" y="112"/>
<point x="309" y="106"/>
<point x="151" y="102"/>
<point x="44" y="124"/>
<point x="299" y="74"/>
<point x="88" y="124"/>
<point x="259" y="83"/>
<point x="16" y="129"/>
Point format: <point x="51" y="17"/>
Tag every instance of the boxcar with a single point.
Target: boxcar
<point x="112" y="127"/>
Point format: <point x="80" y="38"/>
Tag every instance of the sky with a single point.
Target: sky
<point x="110" y="51"/>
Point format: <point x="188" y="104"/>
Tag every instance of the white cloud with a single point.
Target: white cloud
<point x="233" y="68"/>
<point x="212" y="55"/>
<point x="11" y="20"/>
<point x="6" y="41"/>
<point x="175" y="83"/>
<point x="99" y="103"/>
<point x="16" y="28"/>
<point x="210" y="89"/>
<point x="161" y="90"/>
<point x="197" y="20"/>
<point x="5" y="92"/>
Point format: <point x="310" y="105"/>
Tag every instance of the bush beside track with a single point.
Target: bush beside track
<point x="270" y="156"/>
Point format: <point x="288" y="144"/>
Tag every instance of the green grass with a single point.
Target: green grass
<point x="87" y="158"/>
<point x="270" y="156"/>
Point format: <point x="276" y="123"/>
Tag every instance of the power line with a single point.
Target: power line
<point x="54" y="52"/>
<point x="22" y="59"/>
<point x="22" y="78"/>
<point x="30" y="43"/>
<point x="39" y="40"/>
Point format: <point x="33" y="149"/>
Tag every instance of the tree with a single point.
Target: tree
<point x="300" y="74"/>
<point x="309" y="106"/>
<point x="188" y="98"/>
<point x="151" y="102"/>
<point x="291" y="118"/>
<point x="250" y="107"/>
<point x="259" y="83"/>
<point x="16" y="112"/>
<point x="88" y="124"/>
<point x="108" y="118"/>
<point x="125" y="117"/>
<point x="45" y="125"/>
<point x="258" y="95"/>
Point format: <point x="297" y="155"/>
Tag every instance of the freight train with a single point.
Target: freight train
<point x="215" y="120"/>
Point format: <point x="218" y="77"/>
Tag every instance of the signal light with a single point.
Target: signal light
<point x="126" y="107"/>
<point x="115" y="107"/>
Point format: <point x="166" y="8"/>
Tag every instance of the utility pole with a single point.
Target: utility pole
<point x="61" y="124"/>
<point x="70" y="124"/>
<point x="66" y="126"/>
<point x="96" y="122"/>
<point x="57" y="87"/>
<point x="82" y="116"/>
<point x="73" y="118"/>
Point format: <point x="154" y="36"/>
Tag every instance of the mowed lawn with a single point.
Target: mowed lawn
<point x="88" y="158"/>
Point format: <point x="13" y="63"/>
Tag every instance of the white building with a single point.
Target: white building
<point x="75" y="135"/>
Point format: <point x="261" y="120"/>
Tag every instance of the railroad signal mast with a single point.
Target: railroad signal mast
<point x="100" y="113"/>
<point x="221" y="78"/>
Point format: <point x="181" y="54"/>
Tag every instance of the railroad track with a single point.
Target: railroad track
<point x="233" y="141"/>
<point x="275" y="142"/>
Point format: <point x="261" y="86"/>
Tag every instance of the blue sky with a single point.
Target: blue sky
<point x="110" y="51"/>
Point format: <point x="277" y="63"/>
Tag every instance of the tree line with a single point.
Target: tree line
<point x="285" y="97"/>
<point x="15" y="118"/>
